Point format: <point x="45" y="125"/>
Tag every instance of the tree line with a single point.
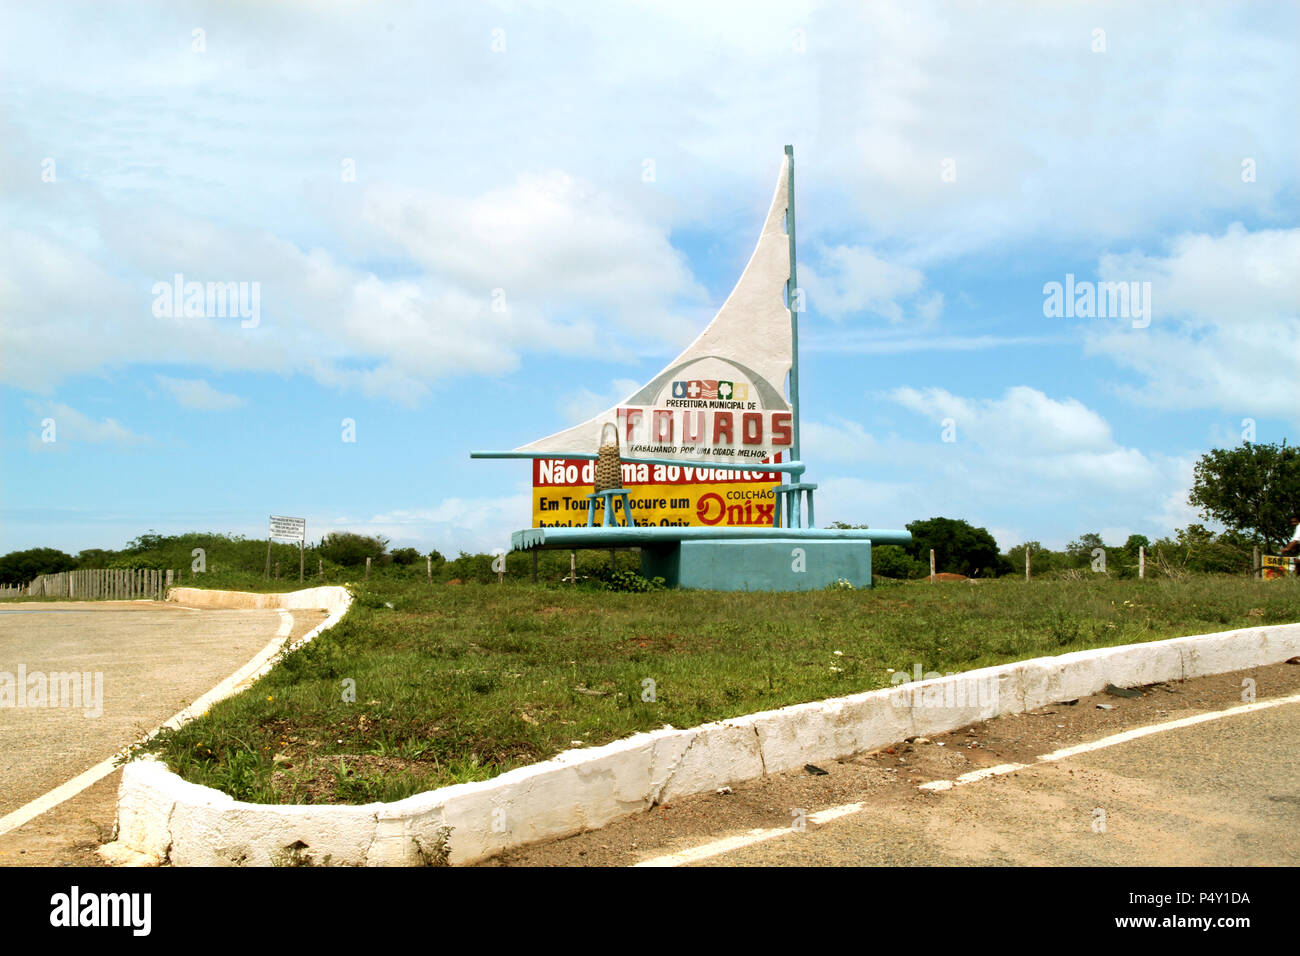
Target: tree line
<point x="1252" y="490"/>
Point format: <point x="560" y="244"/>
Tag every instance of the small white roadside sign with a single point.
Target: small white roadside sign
<point x="286" y="529"/>
<point x="290" y="529"/>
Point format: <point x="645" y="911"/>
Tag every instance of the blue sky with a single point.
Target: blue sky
<point x="380" y="170"/>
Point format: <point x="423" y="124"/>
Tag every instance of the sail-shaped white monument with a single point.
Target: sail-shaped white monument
<point x="721" y="407"/>
<point x="723" y="398"/>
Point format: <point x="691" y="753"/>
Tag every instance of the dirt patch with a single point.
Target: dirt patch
<point x="69" y="834"/>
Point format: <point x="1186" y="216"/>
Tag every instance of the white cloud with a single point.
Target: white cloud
<point x="454" y="524"/>
<point x="513" y="271"/>
<point x="1098" y="144"/>
<point x="1023" y="452"/>
<point x="70" y="425"/>
<point x="878" y="341"/>
<point x="1225" y="325"/>
<point x="851" y="279"/>
<point x="396" y="270"/>
<point x="1022" y="420"/>
<point x="198" y="394"/>
<point x="545" y="238"/>
<point x="583" y="404"/>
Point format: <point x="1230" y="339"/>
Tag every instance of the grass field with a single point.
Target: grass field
<point x="460" y="683"/>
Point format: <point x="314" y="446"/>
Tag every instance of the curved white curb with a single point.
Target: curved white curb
<point x="334" y="600"/>
<point x="162" y="817"/>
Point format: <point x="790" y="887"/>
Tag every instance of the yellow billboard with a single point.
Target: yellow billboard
<point x="664" y="495"/>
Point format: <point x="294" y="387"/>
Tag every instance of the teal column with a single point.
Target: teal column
<point x="792" y="288"/>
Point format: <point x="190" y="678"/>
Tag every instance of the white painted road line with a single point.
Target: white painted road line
<point x="972" y="776"/>
<point x="826" y="816"/>
<point x="727" y="844"/>
<point x="1123" y="737"/>
<point x="746" y="839"/>
<point x="713" y="849"/>
<point x="66" y="791"/>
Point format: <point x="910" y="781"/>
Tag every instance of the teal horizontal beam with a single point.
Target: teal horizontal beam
<point x="793" y="467"/>
<point x="530" y="454"/>
<point x="620" y="537"/>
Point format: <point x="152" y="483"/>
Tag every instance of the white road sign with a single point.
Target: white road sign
<point x="293" y="529"/>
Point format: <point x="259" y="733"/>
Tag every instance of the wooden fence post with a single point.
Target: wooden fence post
<point x="1026" y="564"/>
<point x="932" y="565"/>
<point x="428" y="567"/>
<point x="1142" y="561"/>
<point x="367" y="569"/>
<point x="1255" y="561"/>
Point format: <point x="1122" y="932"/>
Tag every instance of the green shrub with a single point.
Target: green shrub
<point x="891" y="561"/>
<point x="19" y="567"/>
<point x="628" y="581"/>
<point x="351" y="549"/>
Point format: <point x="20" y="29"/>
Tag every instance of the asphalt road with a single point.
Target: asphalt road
<point x="1222" y="792"/>
<point x="154" y="658"/>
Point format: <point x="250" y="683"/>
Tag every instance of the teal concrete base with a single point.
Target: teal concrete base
<point x="758" y="564"/>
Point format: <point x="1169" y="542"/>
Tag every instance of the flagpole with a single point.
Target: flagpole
<point x="793" y="296"/>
